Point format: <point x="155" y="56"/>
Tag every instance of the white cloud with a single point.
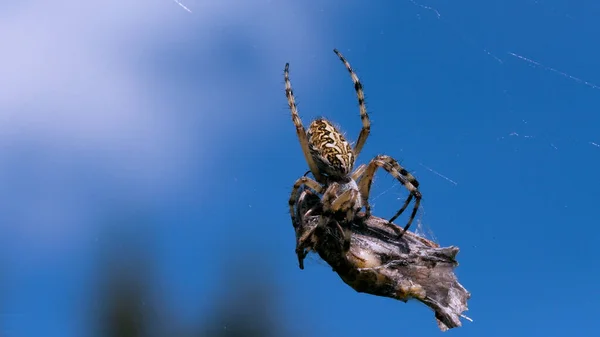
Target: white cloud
<point x="72" y="88"/>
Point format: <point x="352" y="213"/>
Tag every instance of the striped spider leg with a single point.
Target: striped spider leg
<point x="408" y="180"/>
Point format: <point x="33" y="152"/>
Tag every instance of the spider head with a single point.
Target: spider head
<point x="330" y="150"/>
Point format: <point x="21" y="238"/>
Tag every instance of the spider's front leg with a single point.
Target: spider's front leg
<point x="300" y="131"/>
<point x="408" y="180"/>
<point x="364" y="116"/>
<point x="307" y="238"/>
<point x="342" y="208"/>
<point x="294" y="195"/>
<point x="302" y="242"/>
<point x="344" y="205"/>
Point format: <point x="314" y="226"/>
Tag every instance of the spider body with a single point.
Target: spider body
<point x="331" y="160"/>
<point x="330" y="150"/>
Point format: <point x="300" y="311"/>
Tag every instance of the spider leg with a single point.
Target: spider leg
<point x="408" y="180"/>
<point x="347" y="202"/>
<point x="294" y="195"/>
<point x="332" y="202"/>
<point x="406" y="203"/>
<point x="304" y="245"/>
<point x="355" y="176"/>
<point x="305" y="242"/>
<point x="364" y="116"/>
<point x="358" y="172"/>
<point x="300" y="131"/>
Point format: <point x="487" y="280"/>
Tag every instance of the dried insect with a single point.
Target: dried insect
<point x="377" y="263"/>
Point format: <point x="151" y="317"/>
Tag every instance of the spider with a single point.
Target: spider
<point x="331" y="159"/>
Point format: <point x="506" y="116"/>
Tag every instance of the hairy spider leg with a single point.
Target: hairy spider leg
<point x="364" y="116"/>
<point x="393" y="168"/>
<point x="294" y="195"/>
<point x="349" y="202"/>
<point x="359" y="172"/>
<point x="300" y="131"/>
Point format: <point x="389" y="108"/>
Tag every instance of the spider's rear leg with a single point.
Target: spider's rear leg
<point x="408" y="180"/>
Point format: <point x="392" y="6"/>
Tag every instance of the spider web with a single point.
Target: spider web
<point x="182" y="5"/>
<point x="503" y="58"/>
<point x="388" y="192"/>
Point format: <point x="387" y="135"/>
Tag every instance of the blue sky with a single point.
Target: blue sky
<point x="143" y="109"/>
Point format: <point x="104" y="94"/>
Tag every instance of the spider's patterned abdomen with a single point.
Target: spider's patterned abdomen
<point x="330" y="150"/>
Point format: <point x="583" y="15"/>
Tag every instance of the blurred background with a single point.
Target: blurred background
<point x="147" y="155"/>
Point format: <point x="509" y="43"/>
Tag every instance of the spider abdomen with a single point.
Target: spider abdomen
<point x="330" y="149"/>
